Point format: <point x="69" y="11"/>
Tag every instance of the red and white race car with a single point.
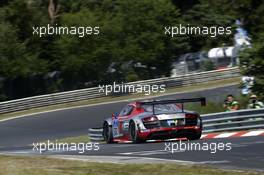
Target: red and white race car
<point x="165" y="119"/>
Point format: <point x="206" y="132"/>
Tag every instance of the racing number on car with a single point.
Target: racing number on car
<point x="115" y="127"/>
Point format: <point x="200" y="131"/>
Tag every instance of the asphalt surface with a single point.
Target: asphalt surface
<point x="245" y="154"/>
<point x="76" y="121"/>
<point x="17" y="134"/>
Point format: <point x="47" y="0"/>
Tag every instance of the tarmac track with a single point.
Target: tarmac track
<point x="17" y="134"/>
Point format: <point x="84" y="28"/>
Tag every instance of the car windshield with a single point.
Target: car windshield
<point x="163" y="108"/>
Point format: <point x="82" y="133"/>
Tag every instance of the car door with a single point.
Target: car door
<point x="123" y="119"/>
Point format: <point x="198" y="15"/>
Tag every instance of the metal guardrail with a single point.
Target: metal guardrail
<point x="95" y="134"/>
<point x="235" y="120"/>
<point x="92" y="93"/>
<point x="216" y="122"/>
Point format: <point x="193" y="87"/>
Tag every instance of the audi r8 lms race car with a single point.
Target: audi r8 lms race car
<point x="152" y="120"/>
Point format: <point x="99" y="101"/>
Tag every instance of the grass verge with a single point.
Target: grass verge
<point x="18" y="165"/>
<point x="74" y="139"/>
<point x="212" y="84"/>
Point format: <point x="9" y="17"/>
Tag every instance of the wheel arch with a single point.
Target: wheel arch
<point x="108" y="121"/>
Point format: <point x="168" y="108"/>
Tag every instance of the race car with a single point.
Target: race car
<point x="154" y="120"/>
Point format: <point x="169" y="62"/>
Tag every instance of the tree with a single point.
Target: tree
<point x="143" y="37"/>
<point x="131" y="31"/>
<point x="20" y="61"/>
<point x="252" y="64"/>
<point x="207" y="14"/>
<point x="53" y="9"/>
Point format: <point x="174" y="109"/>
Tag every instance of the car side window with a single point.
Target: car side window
<point x="126" y="110"/>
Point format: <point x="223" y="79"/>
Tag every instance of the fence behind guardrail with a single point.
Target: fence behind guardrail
<point x="92" y="93"/>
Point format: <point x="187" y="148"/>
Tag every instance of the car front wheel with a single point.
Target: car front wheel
<point x="107" y="133"/>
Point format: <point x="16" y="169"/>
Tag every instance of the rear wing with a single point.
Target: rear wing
<point x="202" y="100"/>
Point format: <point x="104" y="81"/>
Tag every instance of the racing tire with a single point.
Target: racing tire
<point x="194" y="136"/>
<point x="133" y="132"/>
<point x="107" y="133"/>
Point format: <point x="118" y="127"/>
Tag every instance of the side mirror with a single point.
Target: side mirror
<point x="114" y="115"/>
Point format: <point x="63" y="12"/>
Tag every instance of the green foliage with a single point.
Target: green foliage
<point x="208" y="65"/>
<point x="252" y="64"/>
<point x="129" y="30"/>
<point x="208" y="13"/>
<point x="132" y="77"/>
<point x="210" y="107"/>
<point x="243" y="101"/>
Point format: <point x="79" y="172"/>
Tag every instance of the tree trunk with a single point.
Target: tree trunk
<point x="53" y="10"/>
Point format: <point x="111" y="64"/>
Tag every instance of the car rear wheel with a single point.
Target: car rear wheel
<point x="107" y="133"/>
<point x="133" y="132"/>
<point x="194" y="136"/>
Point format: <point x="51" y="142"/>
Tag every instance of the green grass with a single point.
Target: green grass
<point x="10" y="165"/>
<point x="212" y="84"/>
<point x="74" y="139"/>
<point x="209" y="108"/>
<point x="212" y="107"/>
